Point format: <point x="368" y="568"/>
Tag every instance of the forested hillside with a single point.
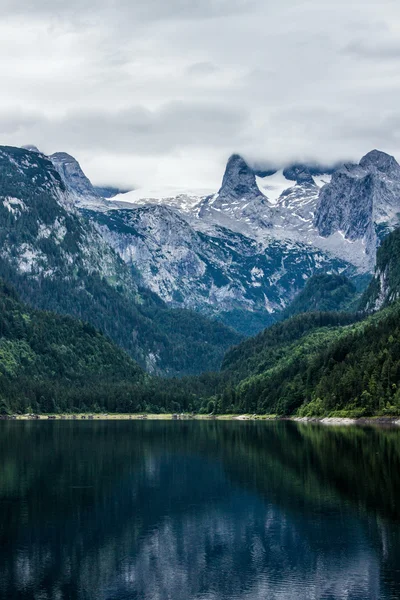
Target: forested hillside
<point x="320" y="363"/>
<point x="50" y="363"/>
<point x="323" y="292"/>
<point x="312" y="364"/>
<point x="316" y="365"/>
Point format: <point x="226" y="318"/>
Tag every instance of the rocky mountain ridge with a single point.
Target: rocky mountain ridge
<point x="243" y="253"/>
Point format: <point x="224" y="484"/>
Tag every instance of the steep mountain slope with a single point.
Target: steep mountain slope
<point x="323" y="292"/>
<point x="220" y="272"/>
<point x="344" y="212"/>
<point x="320" y="363"/>
<point x="43" y="356"/>
<point x="205" y="258"/>
<point x="245" y="252"/>
<point x="314" y="364"/>
<point x="57" y="364"/>
<point x="385" y="285"/>
<point x="58" y="261"/>
<point x="79" y="186"/>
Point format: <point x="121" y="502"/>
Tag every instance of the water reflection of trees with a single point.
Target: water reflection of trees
<point x="89" y="507"/>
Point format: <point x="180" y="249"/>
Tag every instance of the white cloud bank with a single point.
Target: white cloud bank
<point x="148" y="90"/>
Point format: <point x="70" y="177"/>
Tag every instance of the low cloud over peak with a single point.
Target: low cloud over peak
<point x="171" y="89"/>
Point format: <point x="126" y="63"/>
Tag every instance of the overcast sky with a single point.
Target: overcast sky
<point x="161" y="92"/>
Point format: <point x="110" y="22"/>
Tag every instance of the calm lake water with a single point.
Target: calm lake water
<point x="159" y="510"/>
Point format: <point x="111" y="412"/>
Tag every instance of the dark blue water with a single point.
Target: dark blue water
<point x="198" y="510"/>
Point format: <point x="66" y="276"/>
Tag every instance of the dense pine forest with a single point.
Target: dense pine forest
<point x="323" y="292"/>
<point x="314" y="364"/>
<point x="52" y="364"/>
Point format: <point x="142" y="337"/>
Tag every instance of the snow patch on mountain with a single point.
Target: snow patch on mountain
<point x="274" y="185"/>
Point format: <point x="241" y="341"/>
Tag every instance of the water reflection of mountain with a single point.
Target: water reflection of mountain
<point x="197" y="510"/>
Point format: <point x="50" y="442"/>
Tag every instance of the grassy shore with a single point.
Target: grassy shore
<point x="332" y="420"/>
<point x="138" y="417"/>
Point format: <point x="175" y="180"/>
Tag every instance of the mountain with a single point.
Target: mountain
<point x="58" y="261"/>
<point x="211" y="256"/>
<point x="312" y="365"/>
<point x="78" y="185"/>
<point x="362" y="201"/>
<point x="58" y="364"/>
<point x="220" y="272"/>
<point x="241" y="255"/>
<point x="350" y="371"/>
<point x="49" y="363"/>
<point x="344" y="212"/>
<point x="238" y="182"/>
<point x="319" y="364"/>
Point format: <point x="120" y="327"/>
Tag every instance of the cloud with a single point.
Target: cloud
<point x="144" y="89"/>
<point x="141" y="10"/>
<point x="201" y="68"/>
<point x="135" y="130"/>
<point x="381" y="50"/>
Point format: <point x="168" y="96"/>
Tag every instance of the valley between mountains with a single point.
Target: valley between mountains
<point x="277" y="294"/>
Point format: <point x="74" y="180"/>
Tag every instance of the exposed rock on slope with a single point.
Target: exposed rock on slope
<point x="58" y="261"/>
<point x="243" y="253"/>
<point x="220" y="273"/>
<point x="362" y="201"/>
<point x="74" y="178"/>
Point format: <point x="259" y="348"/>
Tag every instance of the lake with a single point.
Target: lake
<point x="182" y="510"/>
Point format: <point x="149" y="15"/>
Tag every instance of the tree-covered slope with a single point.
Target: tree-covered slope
<point x="316" y="364"/>
<point x="58" y="261"/>
<point x="323" y="292"/>
<point x="55" y="364"/>
<point x="46" y="359"/>
<point x="321" y="363"/>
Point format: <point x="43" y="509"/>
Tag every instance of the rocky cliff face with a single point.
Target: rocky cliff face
<point x="78" y="185"/>
<point x="362" y="201"/>
<point x="238" y="182"/>
<point x="244" y="252"/>
<point x="239" y="199"/>
<point x="42" y="233"/>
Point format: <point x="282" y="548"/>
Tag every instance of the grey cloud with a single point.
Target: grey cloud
<point x="202" y="68"/>
<point x="389" y="49"/>
<point x="138" y="9"/>
<point x="135" y="130"/>
<point x="122" y="83"/>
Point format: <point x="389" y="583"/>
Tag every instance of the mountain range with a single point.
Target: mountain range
<point x="242" y="254"/>
<point x="67" y="250"/>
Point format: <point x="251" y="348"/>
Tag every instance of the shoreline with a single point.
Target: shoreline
<point x="383" y="421"/>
